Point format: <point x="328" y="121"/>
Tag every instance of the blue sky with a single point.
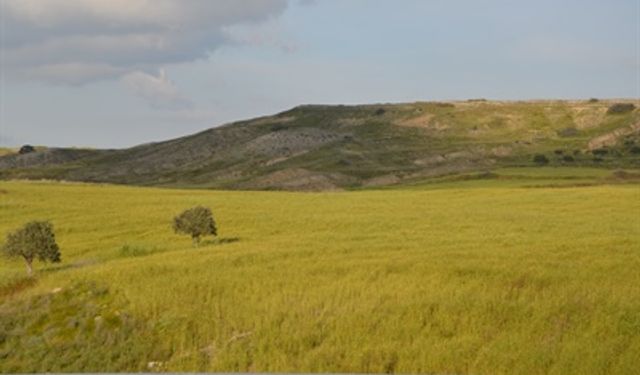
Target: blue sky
<point x="116" y="73"/>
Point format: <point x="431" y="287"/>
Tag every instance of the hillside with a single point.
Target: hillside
<point x="335" y="147"/>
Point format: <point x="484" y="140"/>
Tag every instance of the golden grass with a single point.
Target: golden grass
<point x="478" y="279"/>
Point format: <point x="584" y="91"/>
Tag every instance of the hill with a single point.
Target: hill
<point x="335" y="147"/>
<point x="533" y="271"/>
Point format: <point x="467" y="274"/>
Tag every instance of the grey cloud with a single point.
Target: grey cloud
<point x="79" y="41"/>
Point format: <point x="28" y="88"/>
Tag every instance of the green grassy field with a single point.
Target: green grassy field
<point x="525" y="272"/>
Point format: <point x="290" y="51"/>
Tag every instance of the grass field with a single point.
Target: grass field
<point x="526" y="272"/>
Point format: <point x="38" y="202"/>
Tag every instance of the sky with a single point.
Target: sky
<point x="116" y="73"/>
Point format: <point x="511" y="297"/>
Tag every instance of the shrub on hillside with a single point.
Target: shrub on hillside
<point x="568" y="159"/>
<point x="600" y="151"/>
<point x="540" y="159"/>
<point x="35" y="240"/>
<point x="26" y="149"/>
<point x="196" y="222"/>
<point x="618" y="108"/>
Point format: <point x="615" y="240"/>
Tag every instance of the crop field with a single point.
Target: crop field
<point x="517" y="271"/>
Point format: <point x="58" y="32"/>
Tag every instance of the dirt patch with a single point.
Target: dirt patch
<point x="298" y="179"/>
<point x="586" y="117"/>
<point x="431" y="160"/>
<point x="425" y="121"/>
<point x="501" y="151"/>
<point x="422" y="121"/>
<point x="284" y="158"/>
<point x="610" y="139"/>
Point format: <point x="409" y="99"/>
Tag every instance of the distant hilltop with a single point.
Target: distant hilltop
<point x="328" y="147"/>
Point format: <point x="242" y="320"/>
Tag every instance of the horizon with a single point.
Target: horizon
<point x="232" y="122"/>
<point x="182" y="67"/>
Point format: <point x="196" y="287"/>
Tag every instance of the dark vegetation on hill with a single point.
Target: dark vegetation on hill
<point x="315" y="147"/>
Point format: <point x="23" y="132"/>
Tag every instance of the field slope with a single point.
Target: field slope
<point x="526" y="272"/>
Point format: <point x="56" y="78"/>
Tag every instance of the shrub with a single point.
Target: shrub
<point x="600" y="151"/>
<point x="26" y="149"/>
<point x="568" y="158"/>
<point x="558" y="152"/>
<point x="635" y="150"/>
<point x="196" y="222"/>
<point x="380" y="112"/>
<point x="540" y="159"/>
<point x="619" y="108"/>
<point x="593" y="100"/>
<point x="35" y="240"/>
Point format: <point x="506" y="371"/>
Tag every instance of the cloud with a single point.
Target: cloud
<point x="81" y="41"/>
<point x="266" y="34"/>
<point x="157" y="90"/>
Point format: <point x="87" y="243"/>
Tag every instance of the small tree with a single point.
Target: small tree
<point x="196" y="222"/>
<point x="35" y="240"/>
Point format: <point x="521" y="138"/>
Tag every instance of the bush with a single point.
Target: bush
<point x="558" y="152"/>
<point x="35" y="240"/>
<point x="635" y="150"/>
<point x="540" y="159"/>
<point x="196" y="222"/>
<point x="600" y="151"/>
<point x="380" y="112"/>
<point x="568" y="158"/>
<point x="593" y="100"/>
<point x="619" y="108"/>
<point x="26" y="149"/>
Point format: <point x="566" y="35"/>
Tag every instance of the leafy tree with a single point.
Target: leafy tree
<point x="35" y="240"/>
<point x="196" y="222"/>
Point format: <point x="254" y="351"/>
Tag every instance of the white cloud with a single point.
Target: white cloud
<point x="81" y="41"/>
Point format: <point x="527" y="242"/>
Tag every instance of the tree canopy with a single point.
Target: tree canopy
<point x="196" y="222"/>
<point x="36" y="240"/>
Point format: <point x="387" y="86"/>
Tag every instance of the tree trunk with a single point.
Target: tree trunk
<point x="29" y="267"/>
